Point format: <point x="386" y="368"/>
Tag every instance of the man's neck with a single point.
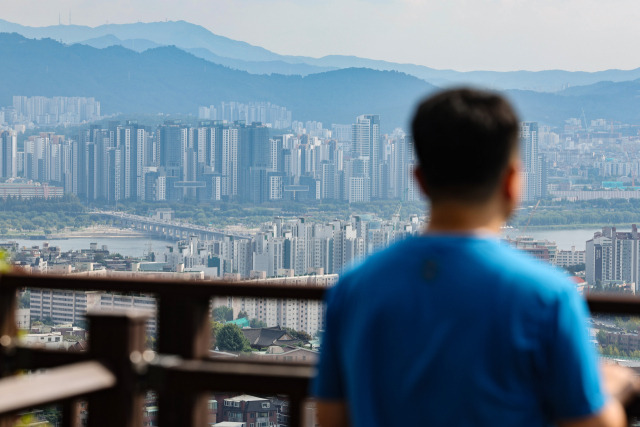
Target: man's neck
<point x="454" y="218"/>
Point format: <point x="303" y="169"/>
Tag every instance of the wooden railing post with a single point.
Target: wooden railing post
<point x="295" y="411"/>
<point x="8" y="306"/>
<point x="8" y="332"/>
<point x="185" y="331"/>
<point x="114" y="339"/>
<point x="71" y="413"/>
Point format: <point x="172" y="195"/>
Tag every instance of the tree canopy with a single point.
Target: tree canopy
<point x="299" y="335"/>
<point x="222" y="314"/>
<point x="231" y="338"/>
<point x="255" y="323"/>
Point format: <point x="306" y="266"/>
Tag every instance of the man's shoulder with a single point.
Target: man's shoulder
<point x="386" y="261"/>
<point x="480" y="260"/>
<point x="531" y="270"/>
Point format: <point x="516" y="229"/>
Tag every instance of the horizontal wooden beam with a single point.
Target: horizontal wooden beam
<point x="233" y="376"/>
<point x="170" y="288"/>
<point x="57" y="384"/>
<point x="22" y="357"/>
<point x="614" y="304"/>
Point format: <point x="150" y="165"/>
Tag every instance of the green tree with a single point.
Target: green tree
<point x="231" y="338"/>
<point x="151" y="341"/>
<point x="25" y="300"/>
<point x="255" y="323"/>
<point x="601" y="336"/>
<point x="99" y="258"/>
<point x="299" y="335"/>
<point x="53" y="415"/>
<point x="243" y="315"/>
<point x="598" y="287"/>
<point x="222" y="314"/>
<point x="215" y="328"/>
<point x="82" y="324"/>
<point x="575" y="268"/>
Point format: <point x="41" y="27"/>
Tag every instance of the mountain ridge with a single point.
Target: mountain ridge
<point x="254" y="67"/>
<point x="244" y="56"/>
<point x="170" y="80"/>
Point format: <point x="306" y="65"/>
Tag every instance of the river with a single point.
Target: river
<point x="565" y="239"/>
<point x="126" y="246"/>
<point x="139" y="246"/>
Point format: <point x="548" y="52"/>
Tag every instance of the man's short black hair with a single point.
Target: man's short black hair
<point x="464" y="139"/>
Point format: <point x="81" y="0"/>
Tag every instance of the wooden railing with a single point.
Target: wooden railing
<point x="117" y="369"/>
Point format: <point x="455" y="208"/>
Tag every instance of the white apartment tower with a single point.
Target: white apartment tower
<point x="533" y="164"/>
<point x="8" y="154"/>
<point x="366" y="145"/>
<point x="613" y="257"/>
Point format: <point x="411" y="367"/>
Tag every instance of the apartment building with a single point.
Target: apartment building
<point x="252" y="410"/>
<point x="61" y="306"/>
<point x="300" y="315"/>
<point x="570" y="257"/>
<point x="612" y="256"/>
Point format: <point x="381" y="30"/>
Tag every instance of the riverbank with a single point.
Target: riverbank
<point x="97" y="231"/>
<point x="572" y="227"/>
<point x="134" y="243"/>
<point x="126" y="245"/>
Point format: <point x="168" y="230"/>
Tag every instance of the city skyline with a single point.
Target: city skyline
<point x="218" y="161"/>
<point x="457" y="35"/>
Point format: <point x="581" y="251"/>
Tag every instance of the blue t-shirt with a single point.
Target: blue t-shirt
<point x="455" y="331"/>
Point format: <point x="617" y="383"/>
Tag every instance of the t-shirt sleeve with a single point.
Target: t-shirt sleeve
<point x="572" y="384"/>
<point x="328" y="383"/>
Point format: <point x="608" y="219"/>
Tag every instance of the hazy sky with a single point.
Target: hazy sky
<point x="460" y="34"/>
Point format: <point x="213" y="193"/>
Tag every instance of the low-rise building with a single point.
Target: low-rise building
<point x="52" y="340"/>
<point x="569" y="258"/>
<point x="251" y="410"/>
<point x="105" y="301"/>
<point x="23" y="318"/>
<point x="61" y="306"/>
<point x="623" y="341"/>
<point x="300" y="315"/>
<point x="290" y="354"/>
<point x="266" y="337"/>
<point x="541" y="249"/>
<point x="30" y="190"/>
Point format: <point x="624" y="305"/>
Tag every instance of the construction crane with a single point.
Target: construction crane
<point x="397" y="213"/>
<point x="584" y="119"/>
<point x="530" y="215"/>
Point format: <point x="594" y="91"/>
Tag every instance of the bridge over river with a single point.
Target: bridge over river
<point x="169" y="229"/>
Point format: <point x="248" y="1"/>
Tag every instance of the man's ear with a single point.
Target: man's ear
<point x="417" y="174"/>
<point x="512" y="184"/>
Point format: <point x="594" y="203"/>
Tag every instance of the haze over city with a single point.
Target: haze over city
<point x="464" y="35"/>
<point x="218" y="165"/>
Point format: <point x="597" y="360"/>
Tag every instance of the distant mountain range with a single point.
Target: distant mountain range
<point x="257" y="60"/>
<point x="170" y="80"/>
<point x="167" y="79"/>
<point x="254" y="67"/>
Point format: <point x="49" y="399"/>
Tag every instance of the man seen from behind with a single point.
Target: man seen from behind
<point x="453" y="328"/>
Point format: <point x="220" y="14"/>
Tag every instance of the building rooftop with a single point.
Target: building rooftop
<point x="229" y="424"/>
<point x="245" y="398"/>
